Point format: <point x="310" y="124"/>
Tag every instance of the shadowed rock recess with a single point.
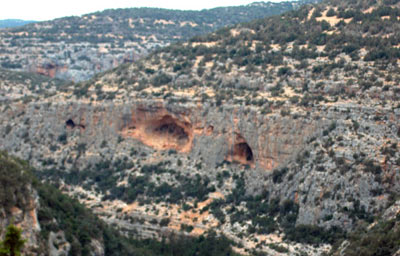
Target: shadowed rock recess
<point x="160" y="131"/>
<point x="242" y="153"/>
<point x="204" y="132"/>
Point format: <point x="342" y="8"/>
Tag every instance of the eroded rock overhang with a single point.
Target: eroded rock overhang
<point x="240" y="138"/>
<point x="205" y="133"/>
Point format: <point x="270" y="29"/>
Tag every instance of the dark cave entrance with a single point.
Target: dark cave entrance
<point x="243" y="152"/>
<point x="70" y="124"/>
<point x="168" y="128"/>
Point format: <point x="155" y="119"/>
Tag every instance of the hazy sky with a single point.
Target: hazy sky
<point x="50" y="9"/>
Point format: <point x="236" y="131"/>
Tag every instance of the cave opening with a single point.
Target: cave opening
<point x="242" y="153"/>
<point x="70" y="124"/>
<point x="162" y="132"/>
<point x="171" y="129"/>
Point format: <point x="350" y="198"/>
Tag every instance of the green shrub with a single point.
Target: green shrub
<point x="161" y="79"/>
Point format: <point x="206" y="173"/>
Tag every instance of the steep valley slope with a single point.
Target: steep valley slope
<point x="75" y="48"/>
<point x="53" y="224"/>
<point x="282" y="134"/>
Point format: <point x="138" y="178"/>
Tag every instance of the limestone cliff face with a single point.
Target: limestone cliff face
<point x="80" y="70"/>
<point x="26" y="219"/>
<point x="39" y="210"/>
<point x="50" y="69"/>
<point x="317" y="160"/>
<point x="231" y="134"/>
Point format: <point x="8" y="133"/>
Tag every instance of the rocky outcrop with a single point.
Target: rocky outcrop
<point x="51" y="70"/>
<point x="97" y="248"/>
<point x="58" y="245"/>
<point x="293" y="137"/>
<point x="248" y="138"/>
<point x="60" y="131"/>
<point x="49" y="220"/>
<point x="312" y="160"/>
<point x="26" y="219"/>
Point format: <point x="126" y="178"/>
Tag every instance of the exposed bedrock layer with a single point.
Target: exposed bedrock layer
<point x="217" y="136"/>
<point x="50" y="69"/>
<point x="159" y="130"/>
<point x="207" y="133"/>
<point x="77" y="134"/>
<point x="25" y="217"/>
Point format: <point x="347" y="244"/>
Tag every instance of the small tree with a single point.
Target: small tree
<point x="331" y="13"/>
<point x="13" y="242"/>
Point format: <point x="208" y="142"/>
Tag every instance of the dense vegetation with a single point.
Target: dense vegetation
<point x="81" y="226"/>
<point x="299" y="49"/>
<point x="59" y="212"/>
<point x="83" y="30"/>
<point x="14" y="183"/>
<point x="13" y="242"/>
<point x="265" y="213"/>
<point x="382" y="239"/>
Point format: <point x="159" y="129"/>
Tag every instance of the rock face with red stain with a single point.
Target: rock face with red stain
<point x="51" y="70"/>
<point x="160" y="130"/>
<point x="262" y="142"/>
<point x="291" y="158"/>
<point x="25" y="218"/>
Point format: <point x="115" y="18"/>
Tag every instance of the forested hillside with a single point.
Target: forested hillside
<point x="76" y="48"/>
<point x="58" y="224"/>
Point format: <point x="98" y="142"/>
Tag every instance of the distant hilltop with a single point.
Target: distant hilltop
<point x="10" y="23"/>
<point x="78" y="47"/>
